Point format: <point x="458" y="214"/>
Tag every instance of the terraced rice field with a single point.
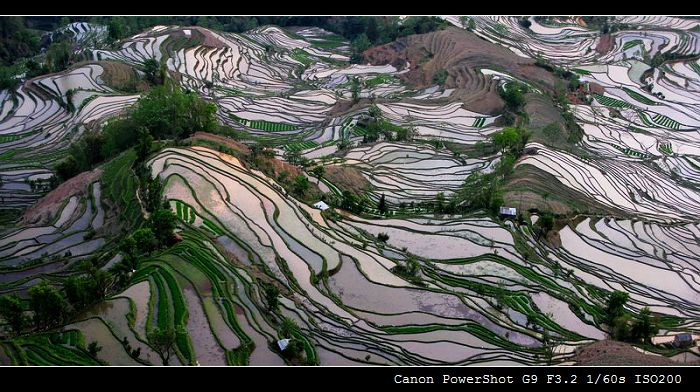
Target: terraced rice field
<point x="485" y="290"/>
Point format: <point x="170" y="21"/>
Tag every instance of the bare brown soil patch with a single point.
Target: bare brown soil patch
<point x="121" y="76"/>
<point x="606" y="44"/>
<point x="461" y="54"/>
<point x="347" y="178"/>
<point x="48" y="206"/>
<point x="230" y="143"/>
<point x="208" y="38"/>
<point x="612" y="353"/>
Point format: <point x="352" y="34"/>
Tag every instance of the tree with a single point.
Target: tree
<point x="116" y="28"/>
<point x="289" y="328"/>
<point x="64" y="21"/>
<point x="292" y="156"/>
<point x="145" y="143"/>
<point x="372" y="31"/>
<point x="358" y="46"/>
<point x="48" y="304"/>
<point x="271" y="294"/>
<point x="318" y="171"/>
<point x="525" y="22"/>
<point x="301" y="184"/>
<point x="77" y="292"/>
<point x="93" y="348"/>
<point x="128" y="246"/>
<point x="546" y="222"/>
<point x="620" y="327"/>
<point x="482" y="191"/>
<point x="383" y="209"/>
<point x="505" y="139"/>
<point x="145" y="240"/>
<point x="616" y="305"/>
<point x="12" y="311"/>
<point x="355" y="89"/>
<point x="513" y="94"/>
<point x="374" y="112"/>
<point x="8" y="81"/>
<point x="67" y="168"/>
<point x="464" y="21"/>
<point x="645" y="326"/>
<point x="163" y="223"/>
<point x="153" y="72"/>
<point x="58" y="56"/>
<point x="169" y="112"/>
<point x="351" y="202"/>
<point x="100" y="280"/>
<point x="383" y="237"/>
<point x="163" y="343"/>
<point x="440" y="77"/>
<point x="16" y="40"/>
<point x="154" y="194"/>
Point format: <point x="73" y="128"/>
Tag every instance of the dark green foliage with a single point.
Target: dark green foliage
<point x="524" y="22"/>
<point x="48" y="304"/>
<point x="355" y="89"/>
<point x="511" y="139"/>
<point x="382" y="207"/>
<point x="165" y="112"/>
<point x="352" y="202"/>
<point x="163" y="343"/>
<point x="16" y="40"/>
<point x="77" y="292"/>
<point x="155" y="73"/>
<point x="620" y="328"/>
<point x="660" y="58"/>
<point x="271" y="294"/>
<point x="87" y="151"/>
<point x="645" y="326"/>
<point x="409" y="270"/>
<point x="616" y="305"/>
<point x="292" y="156"/>
<point x="93" y="348"/>
<point x="145" y="143"/>
<point x="8" y="81"/>
<point x="98" y="280"/>
<point x="145" y="240"/>
<point x="359" y="45"/>
<point x="481" y="191"/>
<point x="12" y="311"/>
<point x="505" y="139"/>
<point x="382" y="237"/>
<point x="289" y="328"/>
<point x="375" y="126"/>
<point x="546" y="222"/>
<point x="120" y="134"/>
<point x="318" y="171"/>
<point x="154" y="194"/>
<point x="168" y="112"/>
<point x="116" y="28"/>
<point x="67" y="168"/>
<point x="35" y="69"/>
<point x="440" y="77"/>
<point x="514" y="96"/>
<point x="59" y="56"/>
<point x="301" y="185"/>
<point x="374" y="112"/>
<point x="163" y="222"/>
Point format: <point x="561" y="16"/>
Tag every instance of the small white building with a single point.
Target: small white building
<point x="283" y="344"/>
<point x="507" y="211"/>
<point x="321" y="206"/>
